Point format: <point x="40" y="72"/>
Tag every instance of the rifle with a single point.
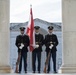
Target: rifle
<point x="17" y="63"/>
<point x="46" y="62"/>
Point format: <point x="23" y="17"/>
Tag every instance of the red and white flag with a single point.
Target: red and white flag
<point x="30" y="30"/>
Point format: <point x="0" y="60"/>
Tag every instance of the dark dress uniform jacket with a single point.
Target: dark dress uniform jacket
<point x="22" y="39"/>
<point x="39" y="40"/>
<point x="51" y="39"/>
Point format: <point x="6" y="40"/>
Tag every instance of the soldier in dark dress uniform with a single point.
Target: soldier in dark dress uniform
<point x="36" y="53"/>
<point x="22" y="42"/>
<point x="51" y="42"/>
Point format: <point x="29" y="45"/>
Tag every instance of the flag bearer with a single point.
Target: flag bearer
<point x="36" y="53"/>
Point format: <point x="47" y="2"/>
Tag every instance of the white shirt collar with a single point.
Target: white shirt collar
<point x="50" y="33"/>
<point x="37" y="33"/>
<point x="22" y="34"/>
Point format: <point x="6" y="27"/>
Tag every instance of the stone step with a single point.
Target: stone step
<point x="35" y="74"/>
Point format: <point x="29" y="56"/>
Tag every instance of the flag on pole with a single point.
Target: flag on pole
<point x="30" y="30"/>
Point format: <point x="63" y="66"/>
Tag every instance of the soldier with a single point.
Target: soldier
<point x="51" y="42"/>
<point x="22" y="42"/>
<point x="36" y="53"/>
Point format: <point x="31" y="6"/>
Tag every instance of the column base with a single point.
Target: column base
<point x="5" y="69"/>
<point x="67" y="69"/>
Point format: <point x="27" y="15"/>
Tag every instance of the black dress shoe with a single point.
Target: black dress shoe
<point x="38" y="71"/>
<point x="55" y="71"/>
<point x="25" y="71"/>
<point x="33" y="71"/>
<point x="19" y="72"/>
<point x="48" y="71"/>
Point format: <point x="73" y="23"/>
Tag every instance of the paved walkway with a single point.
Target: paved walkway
<point x="36" y="74"/>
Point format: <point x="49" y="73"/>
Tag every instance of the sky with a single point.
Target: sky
<point x="48" y="10"/>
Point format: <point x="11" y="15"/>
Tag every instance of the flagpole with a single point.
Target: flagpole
<point x="30" y="30"/>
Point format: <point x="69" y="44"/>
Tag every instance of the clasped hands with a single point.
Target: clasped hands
<point x="22" y="45"/>
<point x="35" y="46"/>
<point x="51" y="46"/>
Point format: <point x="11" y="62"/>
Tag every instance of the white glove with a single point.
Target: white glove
<point x="22" y="45"/>
<point x="51" y="46"/>
<point x="34" y="46"/>
<point x="37" y="46"/>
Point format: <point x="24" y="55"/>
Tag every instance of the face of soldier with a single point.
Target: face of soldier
<point x="22" y="32"/>
<point x="36" y="30"/>
<point x="50" y="31"/>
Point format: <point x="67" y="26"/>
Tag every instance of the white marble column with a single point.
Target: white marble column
<point x="69" y="36"/>
<point x="4" y="37"/>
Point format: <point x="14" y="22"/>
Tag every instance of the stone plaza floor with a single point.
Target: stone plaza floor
<point x="35" y="74"/>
